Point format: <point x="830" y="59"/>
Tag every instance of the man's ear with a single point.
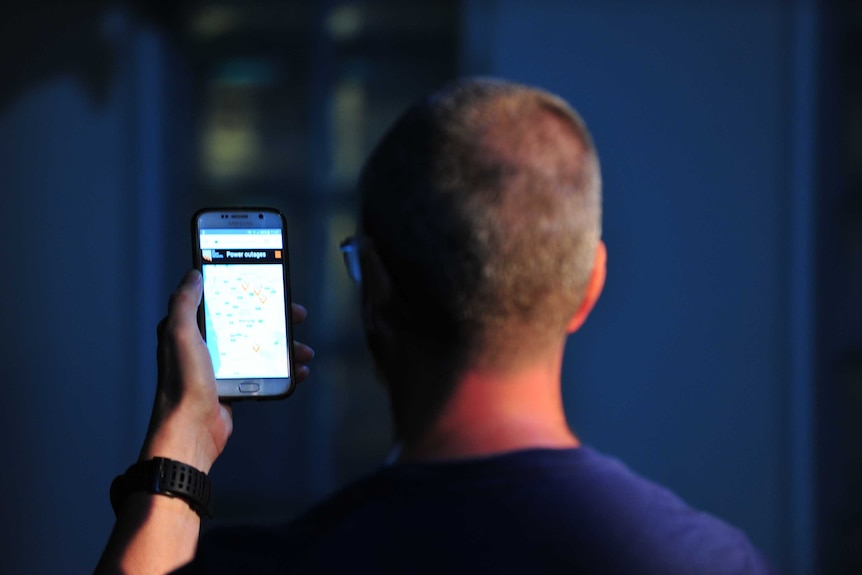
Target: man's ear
<point x="593" y="291"/>
<point x="376" y="299"/>
<point x="376" y="287"/>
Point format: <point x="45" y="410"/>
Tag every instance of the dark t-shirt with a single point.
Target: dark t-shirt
<point x="543" y="511"/>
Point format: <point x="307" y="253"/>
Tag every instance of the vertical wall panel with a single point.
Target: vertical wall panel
<point x="80" y="204"/>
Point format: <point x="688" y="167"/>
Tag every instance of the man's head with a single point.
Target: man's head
<point x="482" y="207"/>
<point x="484" y="204"/>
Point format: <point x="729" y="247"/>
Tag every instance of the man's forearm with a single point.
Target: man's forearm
<point x="153" y="534"/>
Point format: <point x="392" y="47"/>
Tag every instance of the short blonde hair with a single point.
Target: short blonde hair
<point x="484" y="204"/>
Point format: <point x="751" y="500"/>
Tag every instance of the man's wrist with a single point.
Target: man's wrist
<point x="179" y="442"/>
<point x="165" y="477"/>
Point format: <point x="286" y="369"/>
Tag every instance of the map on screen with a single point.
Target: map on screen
<point x="245" y="320"/>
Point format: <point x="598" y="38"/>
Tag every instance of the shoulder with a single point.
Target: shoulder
<point x="278" y="547"/>
<point x="626" y="520"/>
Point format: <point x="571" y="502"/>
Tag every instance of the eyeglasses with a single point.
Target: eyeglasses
<point x="350" y="251"/>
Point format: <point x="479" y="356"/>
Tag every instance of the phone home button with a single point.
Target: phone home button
<point x="249" y="387"/>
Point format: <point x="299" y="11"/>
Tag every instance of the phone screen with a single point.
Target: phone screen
<point x="246" y="301"/>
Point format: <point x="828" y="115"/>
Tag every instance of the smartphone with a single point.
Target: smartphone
<point x="245" y="313"/>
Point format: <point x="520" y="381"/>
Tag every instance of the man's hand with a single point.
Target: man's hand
<point x="154" y="533"/>
<point x="188" y="423"/>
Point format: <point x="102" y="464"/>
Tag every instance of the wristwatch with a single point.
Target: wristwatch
<point x="163" y="476"/>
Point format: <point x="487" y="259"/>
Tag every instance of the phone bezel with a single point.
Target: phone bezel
<point x="267" y="387"/>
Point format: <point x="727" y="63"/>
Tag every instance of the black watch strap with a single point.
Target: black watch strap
<point x="164" y="476"/>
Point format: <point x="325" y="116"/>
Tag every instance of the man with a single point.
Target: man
<point x="478" y="252"/>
